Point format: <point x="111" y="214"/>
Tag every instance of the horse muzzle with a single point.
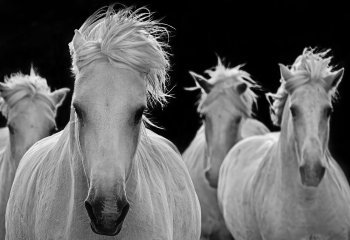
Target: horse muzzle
<point x="312" y="174"/>
<point x="106" y="220"/>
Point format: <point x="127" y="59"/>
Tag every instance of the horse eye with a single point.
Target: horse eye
<point x="328" y="111"/>
<point x="53" y="131"/>
<point x="11" y="130"/>
<point x="78" y="111"/>
<point x="294" y="111"/>
<point x="138" y="115"/>
<point x="238" y="119"/>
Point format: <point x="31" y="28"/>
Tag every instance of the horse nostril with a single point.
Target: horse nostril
<point x="90" y="211"/>
<point x="123" y="213"/>
<point x="312" y="175"/>
<point x="321" y="171"/>
<point x="207" y="175"/>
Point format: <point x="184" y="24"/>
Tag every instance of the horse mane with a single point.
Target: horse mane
<point x="19" y="86"/>
<point x="224" y="78"/>
<point x="129" y="37"/>
<point x="309" y="67"/>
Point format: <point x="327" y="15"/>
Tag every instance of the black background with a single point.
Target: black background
<point x="258" y="33"/>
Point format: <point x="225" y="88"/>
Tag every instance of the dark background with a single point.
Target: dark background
<point x="259" y="33"/>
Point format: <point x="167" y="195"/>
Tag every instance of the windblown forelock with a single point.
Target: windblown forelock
<point x="224" y="78"/>
<point x="309" y="67"/>
<point x="19" y="87"/>
<point x="127" y="37"/>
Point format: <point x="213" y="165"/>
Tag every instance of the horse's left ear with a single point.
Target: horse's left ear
<point x="334" y="79"/>
<point x="59" y="95"/>
<point x="202" y="82"/>
<point x="32" y="70"/>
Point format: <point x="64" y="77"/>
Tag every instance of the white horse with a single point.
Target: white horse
<point x="30" y="110"/>
<point x="286" y="186"/>
<point x="106" y="174"/>
<point x="226" y="107"/>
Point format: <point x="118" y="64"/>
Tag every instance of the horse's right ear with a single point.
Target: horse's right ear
<point x="3" y="87"/>
<point x="270" y="98"/>
<point x="202" y="82"/>
<point x="334" y="79"/>
<point x="285" y="72"/>
<point x="78" y="40"/>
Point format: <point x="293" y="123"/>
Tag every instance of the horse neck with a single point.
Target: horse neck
<point x="17" y="148"/>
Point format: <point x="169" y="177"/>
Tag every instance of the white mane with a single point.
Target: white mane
<point x="224" y="78"/>
<point x="128" y="37"/>
<point x="308" y="67"/>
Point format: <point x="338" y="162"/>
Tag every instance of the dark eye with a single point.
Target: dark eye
<point x="328" y="111"/>
<point x="138" y="115"/>
<point x="294" y="111"/>
<point x="53" y="131"/>
<point x="78" y="111"/>
<point x="238" y="119"/>
<point x="11" y="130"/>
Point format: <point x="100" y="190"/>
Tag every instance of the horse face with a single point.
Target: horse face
<point x="32" y="119"/>
<point x="109" y="102"/>
<point x="310" y="110"/>
<point x="222" y="117"/>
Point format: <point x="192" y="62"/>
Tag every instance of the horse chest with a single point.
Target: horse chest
<point x="291" y="220"/>
<point x="148" y="223"/>
<point x="151" y="214"/>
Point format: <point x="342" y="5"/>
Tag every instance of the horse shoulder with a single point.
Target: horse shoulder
<point x="194" y="158"/>
<point x="249" y="151"/>
<point x="340" y="186"/>
<point x="29" y="188"/>
<point x="184" y="201"/>
<point x="169" y="160"/>
<point x="194" y="154"/>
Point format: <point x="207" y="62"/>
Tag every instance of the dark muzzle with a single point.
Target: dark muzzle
<point x="312" y="174"/>
<point x="106" y="221"/>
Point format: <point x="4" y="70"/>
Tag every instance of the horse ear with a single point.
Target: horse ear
<point x="202" y="82"/>
<point x="59" y="95"/>
<point x="334" y="79"/>
<point x="3" y="87"/>
<point x="285" y="72"/>
<point x="78" y="40"/>
<point x="270" y="98"/>
<point x="241" y="88"/>
<point x="32" y="71"/>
